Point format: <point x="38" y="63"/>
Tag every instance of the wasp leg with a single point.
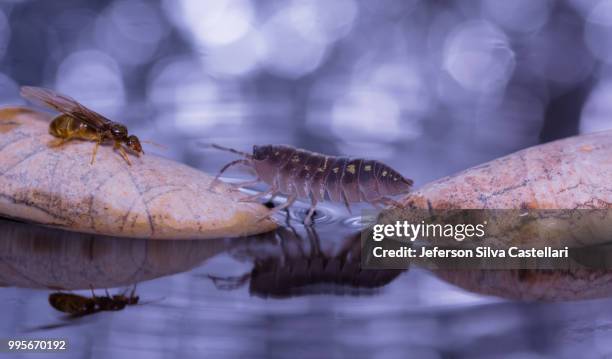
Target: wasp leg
<point x="216" y="179"/>
<point x="95" y="151"/>
<point x="58" y="142"/>
<point x="133" y="299"/>
<point x="122" y="153"/>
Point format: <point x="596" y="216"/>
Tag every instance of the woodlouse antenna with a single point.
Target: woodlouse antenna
<point x="215" y="181"/>
<point x="227" y="149"/>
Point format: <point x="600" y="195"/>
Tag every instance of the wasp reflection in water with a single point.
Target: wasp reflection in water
<point x="310" y="270"/>
<point x="78" y="305"/>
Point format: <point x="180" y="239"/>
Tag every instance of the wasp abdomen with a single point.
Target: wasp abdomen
<point x="64" y="126"/>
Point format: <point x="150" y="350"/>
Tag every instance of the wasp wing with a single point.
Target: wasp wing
<point x="64" y="104"/>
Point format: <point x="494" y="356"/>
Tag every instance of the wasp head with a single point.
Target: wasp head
<point x="133" y="143"/>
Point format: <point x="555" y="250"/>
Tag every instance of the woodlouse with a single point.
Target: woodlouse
<point x="299" y="173"/>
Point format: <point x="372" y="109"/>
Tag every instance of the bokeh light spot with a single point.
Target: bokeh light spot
<point x="596" y="112"/>
<point x="518" y="15"/>
<point x="212" y="23"/>
<point x="287" y="52"/>
<point x="598" y="31"/>
<point x="93" y="78"/>
<point x="366" y="115"/>
<point x="477" y="55"/>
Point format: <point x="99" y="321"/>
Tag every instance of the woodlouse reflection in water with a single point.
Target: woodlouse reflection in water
<point x="301" y="273"/>
<point x="299" y="173"/>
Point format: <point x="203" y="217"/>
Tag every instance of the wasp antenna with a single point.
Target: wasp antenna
<point x="149" y="142"/>
<point x="227" y="149"/>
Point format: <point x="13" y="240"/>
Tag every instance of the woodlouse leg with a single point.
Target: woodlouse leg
<point x="290" y="200"/>
<point x="256" y="196"/>
<point x="296" y="236"/>
<point x="239" y="185"/>
<point x="376" y="205"/>
<point x="349" y="245"/>
<point x="313" y="204"/>
<point x="282" y="235"/>
<point x="288" y="235"/>
<point x="273" y="196"/>
<point x="346" y="203"/>
<point x="388" y="202"/>
<point x="315" y="242"/>
<point x="224" y="168"/>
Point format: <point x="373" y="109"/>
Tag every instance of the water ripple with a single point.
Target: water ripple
<point x="324" y="213"/>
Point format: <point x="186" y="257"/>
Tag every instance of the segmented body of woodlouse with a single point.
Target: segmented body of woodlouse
<point x="299" y="173"/>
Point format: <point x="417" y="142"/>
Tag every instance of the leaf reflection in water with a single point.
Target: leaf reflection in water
<point x="32" y="256"/>
<point x="534" y="285"/>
